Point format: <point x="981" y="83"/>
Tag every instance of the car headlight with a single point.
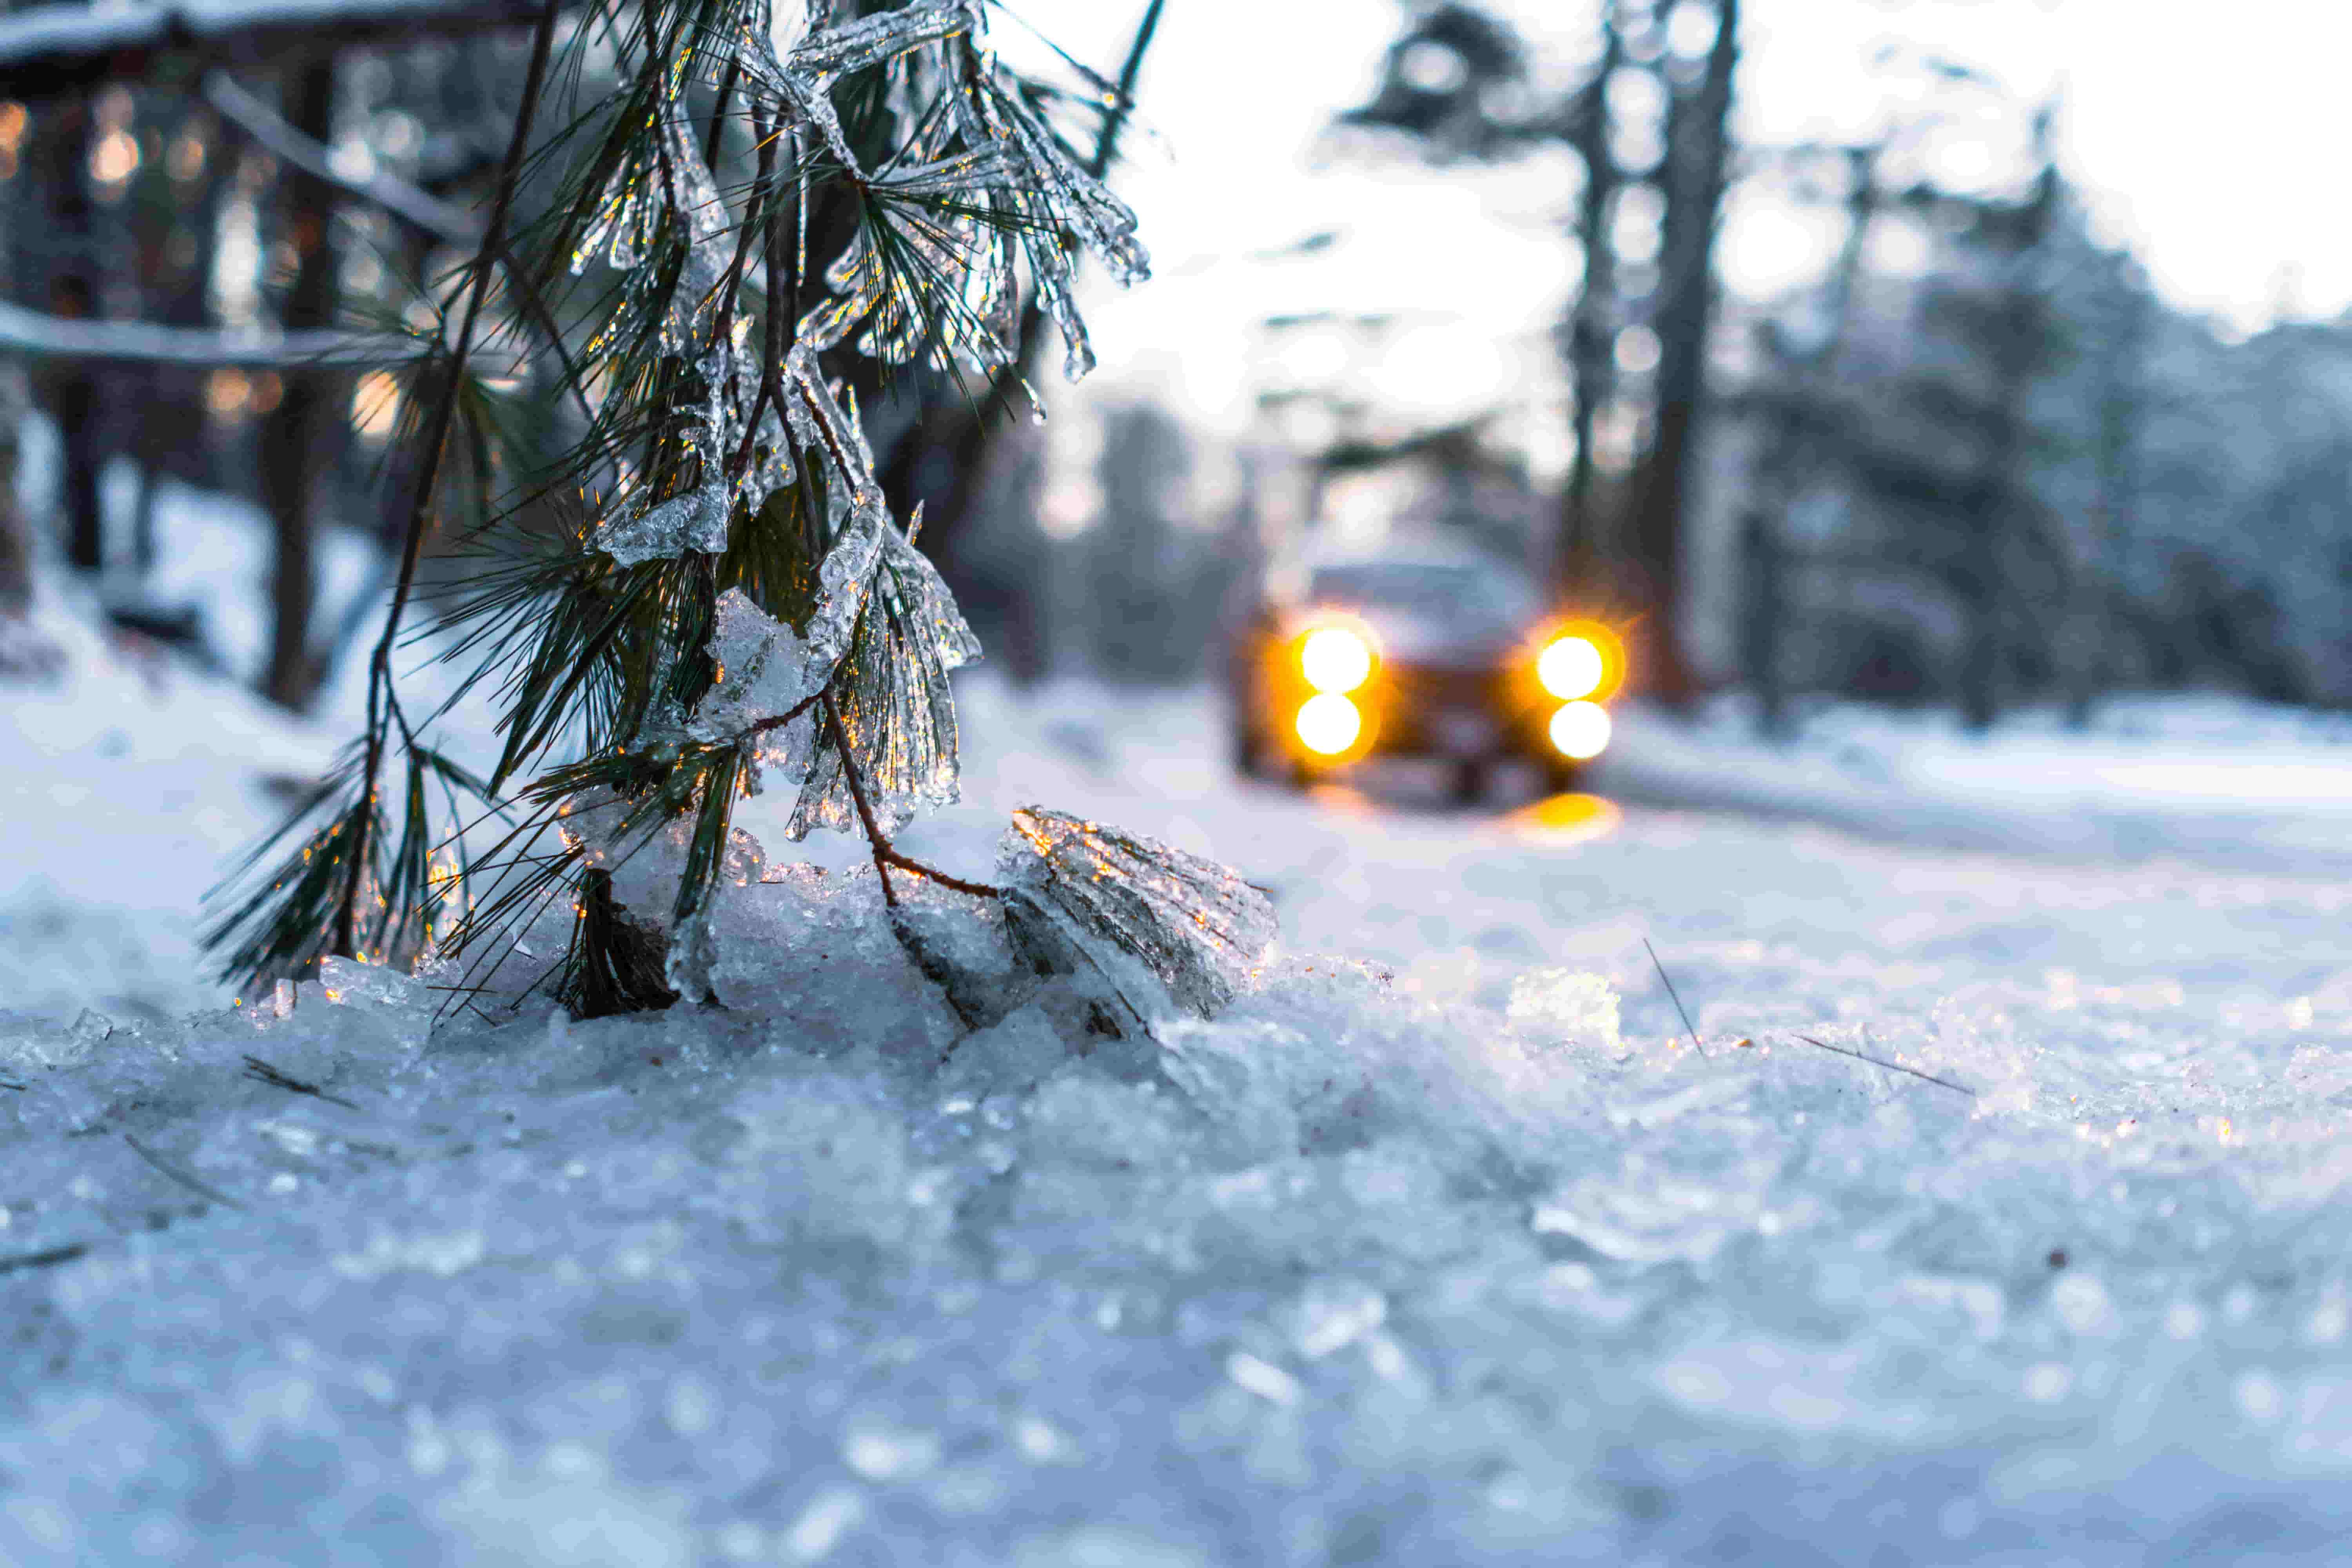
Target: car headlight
<point x="1579" y="731"/>
<point x="1327" y="724"/>
<point x="1572" y="667"/>
<point x="1335" y="659"/>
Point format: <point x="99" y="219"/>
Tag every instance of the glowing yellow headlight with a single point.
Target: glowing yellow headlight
<point x="1329" y="723"/>
<point x="1580" y="731"/>
<point x="1570" y="668"/>
<point x="1335" y="659"/>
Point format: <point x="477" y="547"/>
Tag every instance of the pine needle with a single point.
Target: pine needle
<point x="1891" y="1066"/>
<point x="194" y="1184"/>
<point x="262" y="1072"/>
<point x="1675" y="995"/>
<point x="47" y="1257"/>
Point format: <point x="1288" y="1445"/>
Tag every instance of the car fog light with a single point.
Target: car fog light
<point x="1335" y="659"/>
<point x="1579" y="730"/>
<point x="1571" y="667"/>
<point x="1328" y="724"/>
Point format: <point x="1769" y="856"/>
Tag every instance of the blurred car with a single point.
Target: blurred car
<point x="1437" y="653"/>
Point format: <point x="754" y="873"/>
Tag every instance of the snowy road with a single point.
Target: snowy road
<point x="1443" y="1246"/>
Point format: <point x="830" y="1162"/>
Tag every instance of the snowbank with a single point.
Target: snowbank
<point x="2208" y="777"/>
<point x="1477" y="1260"/>
<point x="1450" y="1250"/>
<point x="126" y="777"/>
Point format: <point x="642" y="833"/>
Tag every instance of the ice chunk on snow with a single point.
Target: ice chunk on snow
<point x="1557" y="1006"/>
<point x="1160" y="927"/>
<point x="401" y="1004"/>
<point x="814" y="951"/>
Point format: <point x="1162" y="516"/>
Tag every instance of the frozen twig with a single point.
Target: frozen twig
<point x="885" y="856"/>
<point x="874" y="837"/>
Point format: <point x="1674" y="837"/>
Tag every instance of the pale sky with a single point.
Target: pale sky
<point x="2205" y="136"/>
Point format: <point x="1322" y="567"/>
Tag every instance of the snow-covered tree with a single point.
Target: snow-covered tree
<point x="706" y="594"/>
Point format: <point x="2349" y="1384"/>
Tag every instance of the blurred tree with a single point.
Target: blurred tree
<point x="1931" y="457"/>
<point x="1148" y="592"/>
<point x="1681" y="315"/>
<point x="59" y="260"/>
<point x="1795" y="406"/>
<point x="1648" y="124"/>
<point x="950" y="457"/>
<point x="176" y="200"/>
<point x="299" y="439"/>
<point x="2116" y="319"/>
<point x="16" y="537"/>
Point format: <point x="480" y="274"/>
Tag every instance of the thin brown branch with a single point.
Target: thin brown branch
<point x="874" y="837"/>
<point x="977" y="889"/>
<point x="885" y="855"/>
<point x="778" y="721"/>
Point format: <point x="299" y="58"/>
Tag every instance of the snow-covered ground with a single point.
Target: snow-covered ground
<point x="2149" y="777"/>
<point x="1444" y="1245"/>
<point x="127" y="783"/>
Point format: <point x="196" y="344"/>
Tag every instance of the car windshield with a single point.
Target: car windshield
<point x="1474" y="599"/>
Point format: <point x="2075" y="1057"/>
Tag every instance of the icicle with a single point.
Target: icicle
<point x="800" y="211"/>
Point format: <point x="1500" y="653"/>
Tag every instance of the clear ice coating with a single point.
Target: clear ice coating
<point x="896" y="705"/>
<point x="989" y="150"/>
<point x="695" y="520"/>
<point x="712" y="435"/>
<point x="1120" y="902"/>
<point x="767" y="668"/>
